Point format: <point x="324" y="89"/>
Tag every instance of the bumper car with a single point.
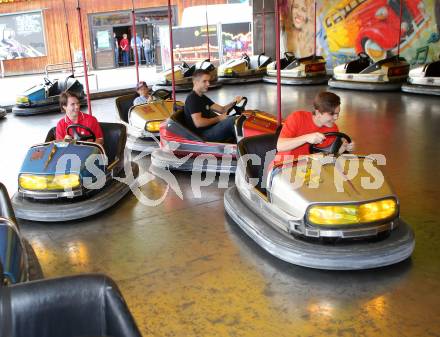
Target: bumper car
<point x="18" y="262"/>
<point x="298" y="71"/>
<point x="424" y="80"/>
<point x="73" y="306"/>
<point x="244" y="70"/>
<point x="61" y="181"/>
<point x="364" y="74"/>
<point x="308" y="212"/>
<point x="143" y="121"/>
<point x="183" y="150"/>
<point x="183" y="77"/>
<point x="45" y="97"/>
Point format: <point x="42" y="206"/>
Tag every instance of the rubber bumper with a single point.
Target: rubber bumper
<point x="395" y="248"/>
<point x="201" y="163"/>
<point x="297" y="80"/>
<point x="41" y="109"/>
<point x="67" y="209"/>
<point x="240" y="80"/>
<point x="185" y="87"/>
<point x="144" y="145"/>
<point x="352" y="85"/>
<point x="421" y="89"/>
<point x="34" y="268"/>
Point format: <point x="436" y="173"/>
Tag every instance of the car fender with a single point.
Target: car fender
<point x="381" y="34"/>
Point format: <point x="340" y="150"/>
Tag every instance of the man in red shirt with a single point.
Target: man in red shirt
<point x="124" y="45"/>
<point x="303" y="128"/>
<point x="69" y="103"/>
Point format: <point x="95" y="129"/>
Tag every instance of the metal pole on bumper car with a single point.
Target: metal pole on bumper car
<point x="170" y="25"/>
<point x="133" y="30"/>
<point x="68" y="37"/>
<point x="86" y="75"/>
<point x="277" y="52"/>
<point x="207" y="28"/>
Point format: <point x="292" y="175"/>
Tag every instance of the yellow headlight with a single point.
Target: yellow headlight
<point x="22" y="99"/>
<point x="48" y="183"/>
<point x="229" y="71"/>
<point x="352" y="214"/>
<point x="153" y="126"/>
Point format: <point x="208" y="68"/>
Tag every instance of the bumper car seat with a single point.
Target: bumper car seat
<point x="179" y="118"/>
<point x="264" y="146"/>
<point x="123" y="104"/>
<point x="84" y="305"/>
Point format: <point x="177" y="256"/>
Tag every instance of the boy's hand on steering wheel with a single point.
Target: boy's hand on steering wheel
<point x="346" y="146"/>
<point x="238" y="99"/>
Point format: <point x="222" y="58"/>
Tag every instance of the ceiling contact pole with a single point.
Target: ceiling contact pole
<point x="83" y="49"/>
<point x="170" y="25"/>
<point x="400" y="28"/>
<point x="277" y="51"/>
<point x="68" y="38"/>
<point x="133" y="29"/>
<point x="264" y="28"/>
<point x="207" y="28"/>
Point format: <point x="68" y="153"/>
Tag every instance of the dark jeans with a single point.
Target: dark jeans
<point x="220" y="132"/>
<point x="126" y="58"/>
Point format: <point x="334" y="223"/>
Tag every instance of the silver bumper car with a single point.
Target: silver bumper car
<point x="298" y="213"/>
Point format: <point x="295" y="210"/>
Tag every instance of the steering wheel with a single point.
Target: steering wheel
<point x="162" y="94"/>
<point x="334" y="147"/>
<point x="289" y="55"/>
<point x="47" y="81"/>
<point x="76" y="135"/>
<point x="238" y="109"/>
<point x="364" y="55"/>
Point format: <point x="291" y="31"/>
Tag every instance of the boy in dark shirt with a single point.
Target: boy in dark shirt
<point x="204" y="117"/>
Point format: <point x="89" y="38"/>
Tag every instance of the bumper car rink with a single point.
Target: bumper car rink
<point x="185" y="268"/>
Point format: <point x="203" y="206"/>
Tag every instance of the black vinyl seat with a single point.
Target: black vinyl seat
<point x="123" y="105"/>
<point x="358" y="65"/>
<point x="264" y="146"/>
<point x="6" y="210"/>
<point x="75" y="306"/>
<point x="115" y="137"/>
<point x="432" y="69"/>
<point x="178" y="117"/>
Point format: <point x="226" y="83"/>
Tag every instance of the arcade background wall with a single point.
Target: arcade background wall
<point x="345" y="28"/>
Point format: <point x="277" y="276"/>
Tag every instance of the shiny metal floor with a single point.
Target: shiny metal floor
<point x="186" y="270"/>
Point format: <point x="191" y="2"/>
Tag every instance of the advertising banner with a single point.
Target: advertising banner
<point x="22" y="35"/>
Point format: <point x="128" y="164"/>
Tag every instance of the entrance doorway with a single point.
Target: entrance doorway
<point x="107" y="28"/>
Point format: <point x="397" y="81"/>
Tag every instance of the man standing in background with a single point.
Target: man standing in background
<point x="116" y="48"/>
<point x="147" y="50"/>
<point x="123" y="44"/>
<point x="138" y="45"/>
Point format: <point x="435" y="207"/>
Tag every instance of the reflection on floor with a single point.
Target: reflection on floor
<point x="186" y="270"/>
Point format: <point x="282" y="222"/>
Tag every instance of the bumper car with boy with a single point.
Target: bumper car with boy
<point x="67" y="180"/>
<point x="311" y="212"/>
<point x="182" y="149"/>
<point x="143" y="120"/>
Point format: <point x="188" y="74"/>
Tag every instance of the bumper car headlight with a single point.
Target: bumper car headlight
<point x="48" y="183"/>
<point x="22" y="99"/>
<point x="337" y="215"/>
<point x="153" y="126"/>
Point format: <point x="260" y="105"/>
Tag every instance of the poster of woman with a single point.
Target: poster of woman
<point x="298" y="27"/>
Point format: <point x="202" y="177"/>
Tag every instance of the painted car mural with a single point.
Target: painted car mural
<point x="347" y="27"/>
<point x="372" y="27"/>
